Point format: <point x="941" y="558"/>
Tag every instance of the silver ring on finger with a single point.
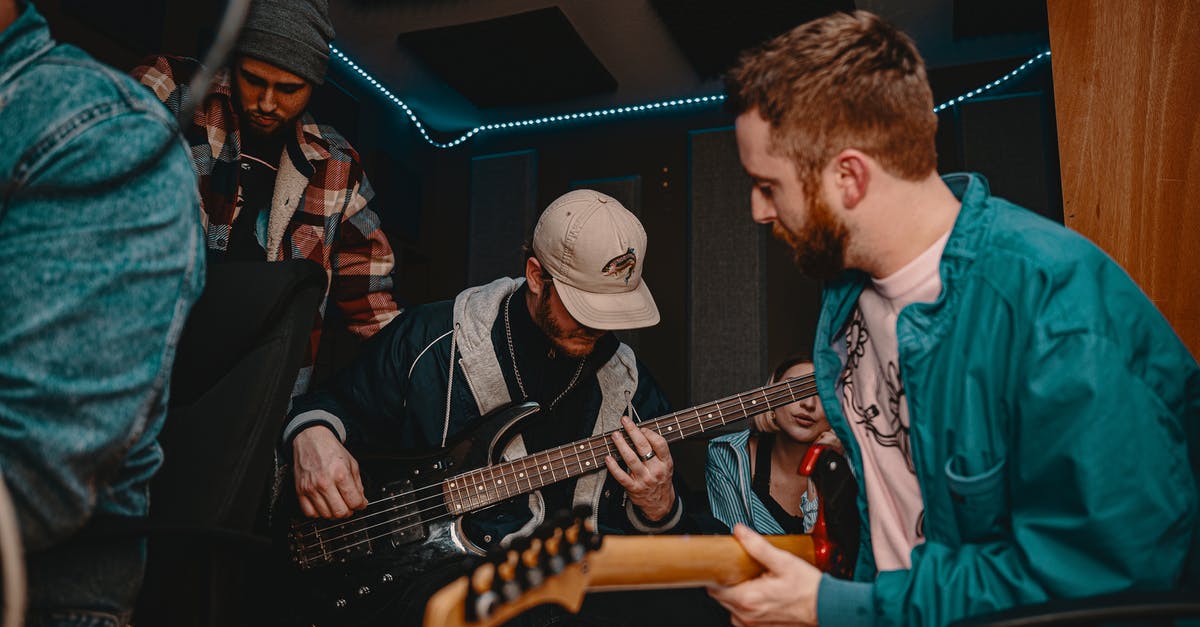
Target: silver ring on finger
<point x="648" y="456"/>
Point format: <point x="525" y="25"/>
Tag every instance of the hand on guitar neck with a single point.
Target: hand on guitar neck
<point x="785" y="592"/>
<point x="648" y="480"/>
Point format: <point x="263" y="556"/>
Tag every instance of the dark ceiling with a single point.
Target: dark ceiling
<point x="464" y="63"/>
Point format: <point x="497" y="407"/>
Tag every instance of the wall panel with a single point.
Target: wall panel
<point x="1127" y="80"/>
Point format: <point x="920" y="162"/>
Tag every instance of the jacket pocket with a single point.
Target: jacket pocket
<point x="980" y="500"/>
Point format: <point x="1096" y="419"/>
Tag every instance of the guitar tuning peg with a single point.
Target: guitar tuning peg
<point x="497" y="555"/>
<point x="482" y="579"/>
<point x="534" y="577"/>
<point x="552" y="552"/>
<point x="594" y="540"/>
<point x="505" y="582"/>
<point x="479" y="607"/>
<point x="511" y="590"/>
<point x="532" y="555"/>
<point x="556" y="563"/>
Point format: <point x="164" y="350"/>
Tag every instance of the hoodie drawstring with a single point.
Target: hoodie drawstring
<point x="449" y="383"/>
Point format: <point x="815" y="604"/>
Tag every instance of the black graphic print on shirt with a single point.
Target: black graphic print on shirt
<point x="886" y="427"/>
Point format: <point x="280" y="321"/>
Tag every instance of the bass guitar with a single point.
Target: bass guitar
<point x="352" y="569"/>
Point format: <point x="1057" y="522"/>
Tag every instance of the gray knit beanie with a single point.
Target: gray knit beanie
<point x="292" y="35"/>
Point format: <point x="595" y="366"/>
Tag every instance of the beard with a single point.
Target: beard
<point x="819" y="249"/>
<point x="278" y="129"/>
<point x="559" y="336"/>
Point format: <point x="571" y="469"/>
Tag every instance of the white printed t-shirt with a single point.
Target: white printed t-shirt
<point x="875" y="405"/>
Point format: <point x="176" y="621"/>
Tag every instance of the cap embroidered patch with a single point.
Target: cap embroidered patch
<point x="625" y="262"/>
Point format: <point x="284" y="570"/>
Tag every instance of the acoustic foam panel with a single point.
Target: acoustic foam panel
<point x="727" y="325"/>
<point x="503" y="212"/>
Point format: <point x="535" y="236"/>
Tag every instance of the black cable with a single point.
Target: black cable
<point x="227" y="34"/>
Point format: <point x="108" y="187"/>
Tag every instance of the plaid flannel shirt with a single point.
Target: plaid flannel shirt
<point x="319" y="209"/>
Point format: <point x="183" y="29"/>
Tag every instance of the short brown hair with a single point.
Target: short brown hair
<point x="848" y="80"/>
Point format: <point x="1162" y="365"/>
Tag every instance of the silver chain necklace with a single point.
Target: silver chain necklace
<point x="517" y="371"/>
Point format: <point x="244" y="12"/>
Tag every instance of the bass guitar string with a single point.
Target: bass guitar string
<point x="774" y="395"/>
<point x="801" y="385"/>
<point x="327" y="545"/>
<point x="574" y="459"/>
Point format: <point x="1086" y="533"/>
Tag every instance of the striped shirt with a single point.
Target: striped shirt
<point x="727" y="475"/>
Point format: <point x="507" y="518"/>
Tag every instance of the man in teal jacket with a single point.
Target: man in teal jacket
<point x="1016" y="411"/>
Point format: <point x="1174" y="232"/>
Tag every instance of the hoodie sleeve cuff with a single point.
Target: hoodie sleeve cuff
<point x="841" y="602"/>
<point x="308" y="419"/>
<point x="644" y="525"/>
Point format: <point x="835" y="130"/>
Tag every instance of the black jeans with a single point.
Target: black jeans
<point x="85" y="583"/>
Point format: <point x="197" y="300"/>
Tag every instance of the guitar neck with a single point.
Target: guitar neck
<point x="492" y="484"/>
<point x="649" y="562"/>
<point x="622" y="563"/>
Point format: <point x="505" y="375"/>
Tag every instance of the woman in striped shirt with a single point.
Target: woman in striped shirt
<point x="752" y="475"/>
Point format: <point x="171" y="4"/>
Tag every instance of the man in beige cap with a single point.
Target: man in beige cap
<point x="434" y="372"/>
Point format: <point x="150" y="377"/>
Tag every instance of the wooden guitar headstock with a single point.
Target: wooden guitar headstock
<point x="562" y="562"/>
<point x="548" y="567"/>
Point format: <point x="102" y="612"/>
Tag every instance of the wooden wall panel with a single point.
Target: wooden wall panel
<point x="1127" y="89"/>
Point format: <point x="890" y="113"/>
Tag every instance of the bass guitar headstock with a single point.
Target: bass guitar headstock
<point x="548" y="567"/>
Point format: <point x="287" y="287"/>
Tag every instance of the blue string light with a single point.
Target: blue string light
<point x="992" y="85"/>
<point x="620" y="111"/>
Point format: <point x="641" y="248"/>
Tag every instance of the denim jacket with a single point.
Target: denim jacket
<point x="100" y="261"/>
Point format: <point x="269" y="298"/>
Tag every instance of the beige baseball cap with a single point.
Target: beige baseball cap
<point x="595" y="249"/>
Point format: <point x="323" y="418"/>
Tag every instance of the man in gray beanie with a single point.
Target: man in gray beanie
<point x="293" y="36"/>
<point x="272" y="181"/>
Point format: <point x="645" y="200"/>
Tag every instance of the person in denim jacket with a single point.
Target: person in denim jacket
<point x="100" y="261"/>
<point x="1021" y="421"/>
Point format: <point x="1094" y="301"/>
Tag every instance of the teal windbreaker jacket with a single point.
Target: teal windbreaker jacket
<point x="1052" y="409"/>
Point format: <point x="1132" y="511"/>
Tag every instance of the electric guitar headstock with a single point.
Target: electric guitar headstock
<point x="548" y="567"/>
<point x="562" y="562"/>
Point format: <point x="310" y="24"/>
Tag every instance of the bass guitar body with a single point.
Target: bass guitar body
<point x="411" y="532"/>
<point x="359" y="570"/>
